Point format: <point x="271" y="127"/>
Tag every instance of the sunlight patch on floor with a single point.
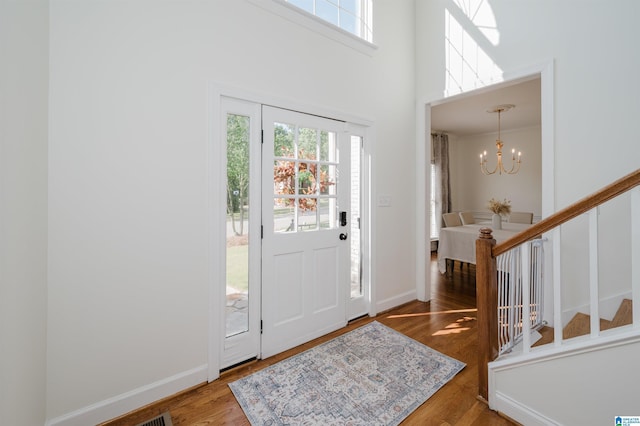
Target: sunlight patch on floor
<point x="425" y="314"/>
<point x="455" y="327"/>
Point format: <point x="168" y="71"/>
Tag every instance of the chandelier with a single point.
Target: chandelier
<point x="515" y="163"/>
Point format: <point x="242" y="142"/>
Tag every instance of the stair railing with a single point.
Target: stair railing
<point x="518" y="269"/>
<point x="487" y="252"/>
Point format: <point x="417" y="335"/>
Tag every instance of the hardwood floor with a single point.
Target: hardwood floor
<point x="447" y="323"/>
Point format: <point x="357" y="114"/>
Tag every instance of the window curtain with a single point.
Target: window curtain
<point x="442" y="186"/>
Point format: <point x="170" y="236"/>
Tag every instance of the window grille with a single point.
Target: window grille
<point x="353" y="16"/>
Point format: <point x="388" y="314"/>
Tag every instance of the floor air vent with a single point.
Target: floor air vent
<point x="163" y="419"/>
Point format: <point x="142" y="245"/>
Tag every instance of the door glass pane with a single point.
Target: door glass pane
<point x="356" y="252"/>
<point x="332" y="146"/>
<point x="324" y="146"/>
<point x="284" y="138"/>
<point x="301" y="182"/>
<point x="237" y="271"/>
<point x="307" y="143"/>
<point x="306" y="179"/>
<point x="307" y="220"/>
<point x="284" y="215"/>
<point x="327" y="180"/>
<point x="284" y="177"/>
<point x="327" y="212"/>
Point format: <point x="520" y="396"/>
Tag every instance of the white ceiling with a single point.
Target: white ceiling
<point x="467" y="115"/>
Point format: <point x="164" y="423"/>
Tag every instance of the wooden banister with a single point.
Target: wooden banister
<point x="605" y="194"/>
<point x="486" y="277"/>
<point x="487" y="304"/>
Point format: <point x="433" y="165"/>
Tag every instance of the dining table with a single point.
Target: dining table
<point x="459" y="242"/>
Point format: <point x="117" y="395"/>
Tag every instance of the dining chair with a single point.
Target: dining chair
<point x="451" y="219"/>
<point x="467" y="218"/>
<point x="521" y="217"/>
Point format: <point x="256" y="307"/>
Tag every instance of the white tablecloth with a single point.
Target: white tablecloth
<point x="459" y="242"/>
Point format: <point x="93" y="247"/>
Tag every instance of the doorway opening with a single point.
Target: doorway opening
<point x="482" y="98"/>
<point x="305" y="170"/>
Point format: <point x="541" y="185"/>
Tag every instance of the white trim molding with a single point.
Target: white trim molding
<point x="320" y="26"/>
<point x="392" y="302"/>
<point x="215" y="177"/>
<point x="515" y="410"/>
<point x="520" y="411"/>
<point x="423" y="129"/>
<point x="423" y="206"/>
<point x="121" y="404"/>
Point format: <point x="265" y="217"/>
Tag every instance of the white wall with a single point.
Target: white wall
<point x="471" y="190"/>
<point x="23" y="211"/>
<point x="595" y="58"/>
<point x="508" y="37"/>
<point x="593" y="69"/>
<point x="391" y="99"/>
<point x="128" y="276"/>
<point x="605" y="394"/>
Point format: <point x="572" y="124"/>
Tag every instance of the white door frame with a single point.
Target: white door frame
<point x="216" y="178"/>
<point x="423" y="158"/>
<point x="245" y="345"/>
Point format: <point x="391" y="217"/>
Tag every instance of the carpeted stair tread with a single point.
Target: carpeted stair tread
<point x="580" y="325"/>
<point x="547" y="336"/>
<point x="624" y="314"/>
<point x="604" y="324"/>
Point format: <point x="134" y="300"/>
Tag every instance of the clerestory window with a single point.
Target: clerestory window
<point x="345" y="21"/>
<point x="353" y="16"/>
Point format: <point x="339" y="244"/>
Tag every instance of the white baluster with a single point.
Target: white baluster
<point x="525" y="272"/>
<point x="557" y="290"/>
<point x="593" y="272"/>
<point x="635" y="255"/>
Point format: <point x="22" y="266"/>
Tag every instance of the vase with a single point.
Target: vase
<point x="496" y="221"/>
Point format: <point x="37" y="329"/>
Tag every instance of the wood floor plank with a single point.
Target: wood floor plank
<point x="447" y="324"/>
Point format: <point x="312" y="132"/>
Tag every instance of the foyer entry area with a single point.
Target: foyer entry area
<point x="447" y="324"/>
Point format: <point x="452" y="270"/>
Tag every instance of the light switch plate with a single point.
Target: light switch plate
<point x="384" y="200"/>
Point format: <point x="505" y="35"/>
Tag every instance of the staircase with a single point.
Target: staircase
<point x="567" y="372"/>
<point x="580" y="324"/>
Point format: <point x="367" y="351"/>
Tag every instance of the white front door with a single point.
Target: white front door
<point x="305" y="219"/>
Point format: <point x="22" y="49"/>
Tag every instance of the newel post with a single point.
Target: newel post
<point x="487" y="305"/>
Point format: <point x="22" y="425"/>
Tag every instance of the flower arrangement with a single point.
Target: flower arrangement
<point x="499" y="207"/>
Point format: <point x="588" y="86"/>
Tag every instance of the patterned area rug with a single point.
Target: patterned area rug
<point x="372" y="375"/>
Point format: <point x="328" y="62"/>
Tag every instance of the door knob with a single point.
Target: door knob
<point x="343" y="236"/>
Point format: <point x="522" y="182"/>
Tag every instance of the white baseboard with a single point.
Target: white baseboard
<point x="129" y="401"/>
<point x="385" y="305"/>
<point x="519" y="412"/>
<point x="524" y="414"/>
